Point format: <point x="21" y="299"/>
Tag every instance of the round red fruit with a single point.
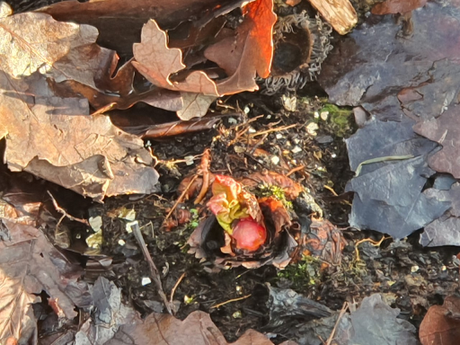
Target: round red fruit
<point x="249" y="235"/>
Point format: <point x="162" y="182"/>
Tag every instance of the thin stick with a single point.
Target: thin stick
<point x="180" y="198"/>
<point x="277" y="129"/>
<point x="230" y="301"/>
<point x="173" y="291"/>
<point x="205" y="159"/>
<point x="342" y="312"/>
<point x="153" y="268"/>
<point x="300" y="167"/>
<point x="64" y="213"/>
<point x="372" y="242"/>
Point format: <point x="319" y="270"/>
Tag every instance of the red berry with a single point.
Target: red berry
<point x="249" y="235"/>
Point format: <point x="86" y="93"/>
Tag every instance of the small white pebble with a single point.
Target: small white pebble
<point x="238" y="149"/>
<point x="251" y="130"/>
<point x="316" y="114"/>
<point x="237" y="314"/>
<point x="246" y="110"/>
<point x="121" y="242"/>
<point x="333" y="155"/>
<point x="145" y="281"/>
<point x="268" y="117"/>
<point x="232" y="121"/>
<point x="275" y="159"/>
<point x="312" y="128"/>
<point x="279" y="135"/>
<point x="414" y="269"/>
<point x="95" y="223"/>
<point x="324" y="115"/>
<point x="296" y="149"/>
<point x="189" y="160"/>
<point x="443" y="268"/>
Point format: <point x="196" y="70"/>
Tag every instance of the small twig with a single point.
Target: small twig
<point x="173" y="290"/>
<point x="271" y="130"/>
<point x="153" y="268"/>
<point x="341" y="314"/>
<point x="180" y="198"/>
<point x="64" y="213"/>
<point x="204" y="167"/>
<point x="230" y="301"/>
<point x="300" y="167"/>
<point x="373" y="243"/>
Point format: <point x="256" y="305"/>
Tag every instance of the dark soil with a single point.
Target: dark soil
<point x="411" y="277"/>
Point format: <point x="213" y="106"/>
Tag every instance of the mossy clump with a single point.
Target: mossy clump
<point x="306" y="272"/>
<point x="264" y="190"/>
<point x="339" y="119"/>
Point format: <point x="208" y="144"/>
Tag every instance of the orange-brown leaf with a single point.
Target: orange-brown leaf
<point x="250" y="49"/>
<point x="397" y="6"/>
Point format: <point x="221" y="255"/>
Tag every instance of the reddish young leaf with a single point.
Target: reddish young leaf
<point x="231" y="202"/>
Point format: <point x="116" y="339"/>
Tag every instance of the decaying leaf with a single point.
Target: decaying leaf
<point x="397" y="6"/>
<point x="374" y="322"/>
<point x="389" y="199"/>
<point x="324" y="241"/>
<point x="34" y="41"/>
<point x="180" y="127"/>
<point x="444" y="130"/>
<point x="17" y="319"/>
<point x="39" y="266"/>
<point x="389" y="191"/>
<point x="370" y="66"/>
<point x="109" y="314"/>
<point x="195" y="105"/>
<point x="157" y="62"/>
<point x="197" y="329"/>
<point x="56" y="139"/>
<point x="133" y="15"/>
<point x="444" y="231"/>
<point x="441" y="324"/>
<point x="288" y="309"/>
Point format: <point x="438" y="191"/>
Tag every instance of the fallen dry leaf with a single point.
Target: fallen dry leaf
<point x="17" y="319"/>
<point x="106" y="16"/>
<point x="180" y="127"/>
<point x="375" y="322"/>
<point x="157" y="62"/>
<point x="196" y="329"/>
<point x="444" y="130"/>
<point x="441" y="324"/>
<point x="35" y="41"/>
<point x="56" y="139"/>
<point x="195" y="105"/>
<point x="248" y="51"/>
<point x="397" y="6"/>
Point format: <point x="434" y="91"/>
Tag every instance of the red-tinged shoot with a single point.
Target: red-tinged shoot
<point x="249" y="235"/>
<point x="238" y="213"/>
